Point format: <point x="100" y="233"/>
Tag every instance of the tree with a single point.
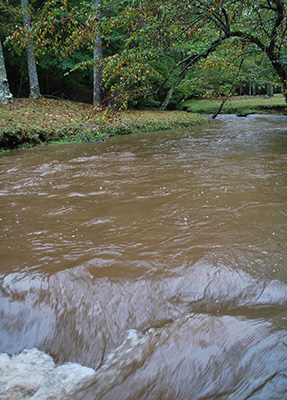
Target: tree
<point x="64" y="28"/>
<point x="6" y="12"/>
<point x="5" y="94"/>
<point x="98" y="55"/>
<point x="32" y="69"/>
<point x="202" y="26"/>
<point x="267" y="31"/>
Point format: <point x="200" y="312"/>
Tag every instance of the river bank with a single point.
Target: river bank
<point x="238" y="105"/>
<point x="28" y="122"/>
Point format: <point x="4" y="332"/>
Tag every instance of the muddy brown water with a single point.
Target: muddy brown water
<point x="158" y="260"/>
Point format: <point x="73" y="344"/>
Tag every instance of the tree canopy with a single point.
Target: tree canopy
<point x="200" y="28"/>
<point x="153" y="51"/>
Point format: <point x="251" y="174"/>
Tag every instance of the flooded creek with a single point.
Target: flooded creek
<point x="149" y="266"/>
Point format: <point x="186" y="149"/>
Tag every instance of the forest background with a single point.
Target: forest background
<point x="142" y="50"/>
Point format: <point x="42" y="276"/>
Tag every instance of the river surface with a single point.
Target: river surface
<point x="158" y="261"/>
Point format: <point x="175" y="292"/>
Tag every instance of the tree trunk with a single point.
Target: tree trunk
<point x="281" y="69"/>
<point x="32" y="69"/>
<point x="285" y="90"/>
<point x="5" y="94"/>
<point x="174" y="86"/>
<point x="284" y="84"/>
<point x="168" y="97"/>
<point x="270" y="90"/>
<point x="220" y="108"/>
<point x="98" y="55"/>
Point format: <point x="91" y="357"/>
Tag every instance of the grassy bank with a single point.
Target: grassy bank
<point x="238" y="105"/>
<point x="27" y="122"/>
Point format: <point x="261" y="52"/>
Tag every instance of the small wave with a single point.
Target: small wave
<point x="207" y="288"/>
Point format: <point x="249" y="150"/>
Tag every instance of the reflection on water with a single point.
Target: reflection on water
<point x="157" y="260"/>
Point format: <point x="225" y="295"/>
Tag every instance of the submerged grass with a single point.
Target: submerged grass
<point x="238" y="105"/>
<point x="28" y="122"/>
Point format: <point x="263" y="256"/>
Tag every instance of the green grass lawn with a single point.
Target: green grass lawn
<point x="238" y="105"/>
<point x="26" y="122"/>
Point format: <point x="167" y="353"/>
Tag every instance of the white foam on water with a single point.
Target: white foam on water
<point x="33" y="375"/>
